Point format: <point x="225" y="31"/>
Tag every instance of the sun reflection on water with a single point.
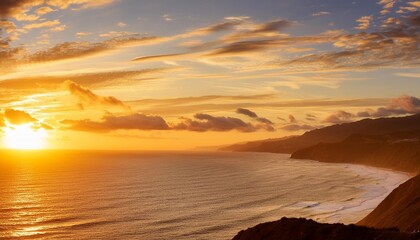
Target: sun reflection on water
<point x="27" y="202"/>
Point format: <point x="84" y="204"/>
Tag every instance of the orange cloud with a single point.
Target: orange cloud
<point x="398" y="106"/>
<point x="386" y="5"/>
<point x="246" y="112"/>
<point x="415" y="3"/>
<point x="9" y="56"/>
<point x="9" y="8"/>
<point x="218" y="27"/>
<point x="72" y="50"/>
<point x="42" y="24"/>
<point x="395" y="44"/>
<point x="87" y="96"/>
<point x="253" y="115"/>
<point x="41" y="82"/>
<point x="364" y="22"/>
<point x="292" y="119"/>
<point x="44" y="10"/>
<point x="63" y="4"/>
<point x="206" y="122"/>
<point x="110" y="122"/>
<point x="18" y="117"/>
<point x="340" y="117"/>
<point x="58" y="28"/>
<point x="138" y="121"/>
<point x="159" y="57"/>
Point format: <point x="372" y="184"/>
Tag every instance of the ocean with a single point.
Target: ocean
<point x="178" y="195"/>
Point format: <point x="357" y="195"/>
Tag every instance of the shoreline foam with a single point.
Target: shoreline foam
<point x="388" y="179"/>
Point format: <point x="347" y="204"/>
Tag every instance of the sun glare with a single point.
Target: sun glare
<point x="24" y="137"/>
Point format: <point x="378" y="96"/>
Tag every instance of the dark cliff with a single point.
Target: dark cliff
<point x="303" y="229"/>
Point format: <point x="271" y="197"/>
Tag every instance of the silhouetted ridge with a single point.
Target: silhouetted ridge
<point x="390" y="127"/>
<point x="303" y="229"/>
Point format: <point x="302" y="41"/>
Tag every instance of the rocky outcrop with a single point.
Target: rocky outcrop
<point x="303" y="229"/>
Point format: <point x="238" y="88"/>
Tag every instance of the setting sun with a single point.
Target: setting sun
<point x="24" y="137"/>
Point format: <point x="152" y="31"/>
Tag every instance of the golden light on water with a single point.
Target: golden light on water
<point x="24" y="137"/>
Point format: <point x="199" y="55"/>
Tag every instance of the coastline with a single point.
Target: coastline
<point x="340" y="212"/>
<point x="349" y="225"/>
<point x="388" y="179"/>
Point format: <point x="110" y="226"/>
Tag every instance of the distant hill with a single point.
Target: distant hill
<point x="275" y="145"/>
<point x="399" y="209"/>
<point x="303" y="229"/>
<point x="335" y="133"/>
<point x="378" y="151"/>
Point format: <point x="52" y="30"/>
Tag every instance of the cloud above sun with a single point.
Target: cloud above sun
<point x="87" y="96"/>
<point x="12" y="117"/>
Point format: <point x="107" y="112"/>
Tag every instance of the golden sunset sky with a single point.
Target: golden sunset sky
<point x="166" y="74"/>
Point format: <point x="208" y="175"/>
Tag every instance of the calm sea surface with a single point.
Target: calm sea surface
<point x="177" y="195"/>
